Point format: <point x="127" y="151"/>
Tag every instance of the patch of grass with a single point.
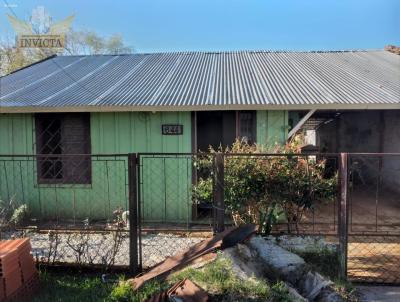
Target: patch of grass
<point x="346" y="290"/>
<point x="71" y="287"/>
<point x="217" y="278"/>
<point x="74" y="287"/>
<point x="123" y="292"/>
<point x="280" y="293"/>
<point x="324" y="261"/>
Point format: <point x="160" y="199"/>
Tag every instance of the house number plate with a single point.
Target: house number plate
<point x="172" y="129"/>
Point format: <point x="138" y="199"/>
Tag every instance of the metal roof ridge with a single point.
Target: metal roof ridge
<point x="195" y="52"/>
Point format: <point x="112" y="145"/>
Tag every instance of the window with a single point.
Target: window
<point x="247" y="126"/>
<point x="63" y="134"/>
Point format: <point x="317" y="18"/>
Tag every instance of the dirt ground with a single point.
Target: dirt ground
<point x="374" y="259"/>
<point x="375" y="256"/>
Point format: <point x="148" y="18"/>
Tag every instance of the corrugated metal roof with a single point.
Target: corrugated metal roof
<point x="199" y="80"/>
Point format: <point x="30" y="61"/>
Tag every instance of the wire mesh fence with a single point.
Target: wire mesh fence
<point x="173" y="214"/>
<point x="374" y="220"/>
<point x="374" y="258"/>
<point x="374" y="196"/>
<point x="138" y="209"/>
<point x="73" y="207"/>
<point x="67" y="190"/>
<point x="184" y="198"/>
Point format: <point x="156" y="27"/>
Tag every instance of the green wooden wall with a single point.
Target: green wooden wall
<point x="166" y="180"/>
<point x="16" y="134"/>
<point x="272" y="128"/>
<point x="139" y="132"/>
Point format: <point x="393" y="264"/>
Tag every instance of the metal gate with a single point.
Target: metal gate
<point x="370" y="217"/>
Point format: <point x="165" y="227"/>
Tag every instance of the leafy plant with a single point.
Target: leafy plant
<point x="122" y="292"/>
<point x="264" y="189"/>
<point x="19" y="215"/>
<point x="202" y="192"/>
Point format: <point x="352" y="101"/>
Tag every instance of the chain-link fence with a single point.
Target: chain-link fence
<point x="135" y="210"/>
<point x="374" y="258"/>
<point x="73" y="207"/>
<point x="374" y="220"/>
<point x="175" y="203"/>
<point x="184" y="198"/>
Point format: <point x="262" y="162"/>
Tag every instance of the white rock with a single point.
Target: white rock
<point x="312" y="284"/>
<point x="244" y="268"/>
<point x="303" y="243"/>
<point x="244" y="251"/>
<point x="289" y="266"/>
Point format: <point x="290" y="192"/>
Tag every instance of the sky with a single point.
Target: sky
<point x="219" y="25"/>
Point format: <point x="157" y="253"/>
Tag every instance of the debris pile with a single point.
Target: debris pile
<point x="251" y="257"/>
<point x="18" y="274"/>
<point x="184" y="290"/>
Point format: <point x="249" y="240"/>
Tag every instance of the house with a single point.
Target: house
<point x="181" y="103"/>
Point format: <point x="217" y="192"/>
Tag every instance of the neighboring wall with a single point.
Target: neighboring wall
<point x="368" y="131"/>
<point x="392" y="145"/>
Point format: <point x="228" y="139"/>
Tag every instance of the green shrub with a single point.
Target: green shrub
<point x="202" y="192"/>
<point x="263" y="189"/>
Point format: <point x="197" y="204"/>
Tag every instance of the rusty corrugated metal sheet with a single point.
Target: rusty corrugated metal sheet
<point x="227" y="238"/>
<point x="196" y="80"/>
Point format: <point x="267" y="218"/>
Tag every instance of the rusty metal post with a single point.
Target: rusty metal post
<point x="343" y="214"/>
<point x="219" y="203"/>
<point x="133" y="215"/>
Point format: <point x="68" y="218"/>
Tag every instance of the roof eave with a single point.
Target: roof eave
<point x="37" y="109"/>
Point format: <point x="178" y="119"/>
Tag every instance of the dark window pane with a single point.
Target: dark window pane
<point x="63" y="134"/>
<point x="247" y="126"/>
<point x="215" y="129"/>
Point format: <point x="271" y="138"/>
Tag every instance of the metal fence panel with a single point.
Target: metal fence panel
<point x="76" y="206"/>
<point x="374" y="220"/>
